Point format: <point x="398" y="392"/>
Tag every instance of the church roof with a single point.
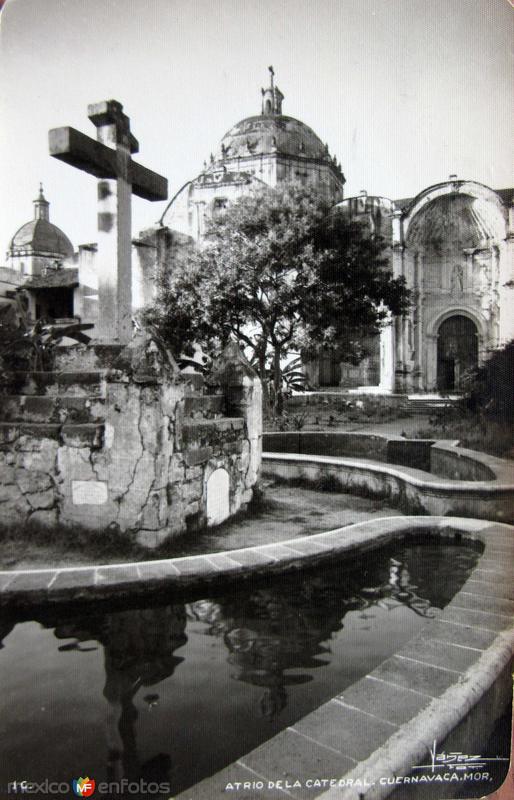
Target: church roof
<point x="41" y="236"/>
<point x="54" y="279"/>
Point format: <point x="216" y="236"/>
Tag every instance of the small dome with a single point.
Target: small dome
<point x="272" y="133"/>
<point x="41" y="236"/>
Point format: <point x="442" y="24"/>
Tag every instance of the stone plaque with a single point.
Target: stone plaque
<point x="93" y="493"/>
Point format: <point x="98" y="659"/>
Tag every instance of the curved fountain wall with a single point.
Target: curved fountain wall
<point x="397" y="470"/>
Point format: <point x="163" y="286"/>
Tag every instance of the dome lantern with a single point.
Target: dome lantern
<point x="271" y="98"/>
<point x="41" y="206"/>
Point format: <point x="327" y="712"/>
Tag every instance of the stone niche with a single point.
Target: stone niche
<point x="217" y="490"/>
<point x="117" y="437"/>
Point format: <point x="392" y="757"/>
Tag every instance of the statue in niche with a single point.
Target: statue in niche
<point x="457" y="279"/>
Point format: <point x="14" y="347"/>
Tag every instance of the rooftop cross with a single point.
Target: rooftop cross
<point x="109" y="158"/>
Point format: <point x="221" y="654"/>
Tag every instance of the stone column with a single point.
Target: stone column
<point x="114" y="247"/>
<point x="387" y="359"/>
<point x="506" y="292"/>
<point x="398" y="270"/>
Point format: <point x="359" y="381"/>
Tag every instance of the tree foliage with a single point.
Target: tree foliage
<point x="281" y="272"/>
<point x="490" y="388"/>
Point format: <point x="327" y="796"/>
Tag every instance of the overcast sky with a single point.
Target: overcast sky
<point x="405" y="92"/>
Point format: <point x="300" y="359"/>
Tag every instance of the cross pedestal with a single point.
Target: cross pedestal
<point x="109" y="158"/>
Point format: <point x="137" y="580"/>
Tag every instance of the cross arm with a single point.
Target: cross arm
<point x="82" y="152"/>
<point x="147" y="184"/>
<point x="79" y="150"/>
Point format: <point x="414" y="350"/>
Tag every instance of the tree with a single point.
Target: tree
<point x="489" y="389"/>
<point x="281" y="272"/>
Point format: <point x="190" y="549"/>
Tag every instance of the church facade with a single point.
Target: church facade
<point x="453" y="243"/>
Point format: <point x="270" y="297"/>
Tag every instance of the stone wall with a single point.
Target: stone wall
<point x="128" y="444"/>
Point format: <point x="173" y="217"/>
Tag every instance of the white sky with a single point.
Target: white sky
<point x="404" y="91"/>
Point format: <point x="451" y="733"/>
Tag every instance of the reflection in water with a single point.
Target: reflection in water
<point x="276" y="638"/>
<point x="287" y="629"/>
<point x="139" y="648"/>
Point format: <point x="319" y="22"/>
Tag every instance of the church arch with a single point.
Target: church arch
<point x="483" y="211"/>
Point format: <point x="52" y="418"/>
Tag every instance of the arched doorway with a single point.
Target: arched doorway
<point x="457" y="351"/>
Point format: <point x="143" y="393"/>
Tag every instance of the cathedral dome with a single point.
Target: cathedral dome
<point x="40" y="236"/>
<point x="272" y="133"/>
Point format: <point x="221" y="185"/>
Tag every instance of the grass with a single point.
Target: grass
<point x="328" y="414"/>
<point x="473" y="432"/>
<point x="64" y="546"/>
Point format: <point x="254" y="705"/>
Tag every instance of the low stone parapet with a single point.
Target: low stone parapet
<point x="414" y="491"/>
<point x="443" y="458"/>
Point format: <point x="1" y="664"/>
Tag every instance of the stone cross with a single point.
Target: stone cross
<point x="110" y="159"/>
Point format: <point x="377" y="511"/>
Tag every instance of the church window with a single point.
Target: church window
<point x="219" y="205"/>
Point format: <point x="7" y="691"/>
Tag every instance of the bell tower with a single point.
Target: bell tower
<point x="271" y="97"/>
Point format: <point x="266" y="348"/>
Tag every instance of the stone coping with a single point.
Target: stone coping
<point x="383" y="724"/>
<point x="107" y="581"/>
<point x="500" y="470"/>
<point x="503" y="482"/>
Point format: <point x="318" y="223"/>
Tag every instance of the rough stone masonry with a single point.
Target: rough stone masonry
<point x="129" y="443"/>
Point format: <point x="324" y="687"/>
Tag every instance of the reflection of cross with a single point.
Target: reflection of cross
<point x="109" y="158"/>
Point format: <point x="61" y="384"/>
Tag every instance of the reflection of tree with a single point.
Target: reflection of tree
<point x="272" y="631"/>
<point x="139" y="650"/>
<point x="267" y="634"/>
<point x="400" y="590"/>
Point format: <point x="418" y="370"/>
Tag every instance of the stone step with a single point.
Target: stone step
<point x="52" y="408"/>
<point x="429" y="405"/>
<point x="194" y="381"/>
<point x="82" y="435"/>
<point x="77" y="384"/>
<point x="206" y="406"/>
<point x="201" y="432"/>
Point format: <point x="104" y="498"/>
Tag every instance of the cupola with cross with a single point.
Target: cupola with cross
<point x="271" y="97"/>
<point x="267" y="148"/>
<point x="38" y="244"/>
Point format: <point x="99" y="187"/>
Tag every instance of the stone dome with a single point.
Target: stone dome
<point x="40" y="236"/>
<point x="271" y="133"/>
<point x="268" y="134"/>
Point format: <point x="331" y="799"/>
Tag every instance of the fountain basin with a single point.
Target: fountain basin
<point x="424" y="692"/>
<point x="461" y="482"/>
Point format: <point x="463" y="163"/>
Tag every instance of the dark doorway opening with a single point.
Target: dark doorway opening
<point x="457" y="351"/>
<point x="329" y="368"/>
